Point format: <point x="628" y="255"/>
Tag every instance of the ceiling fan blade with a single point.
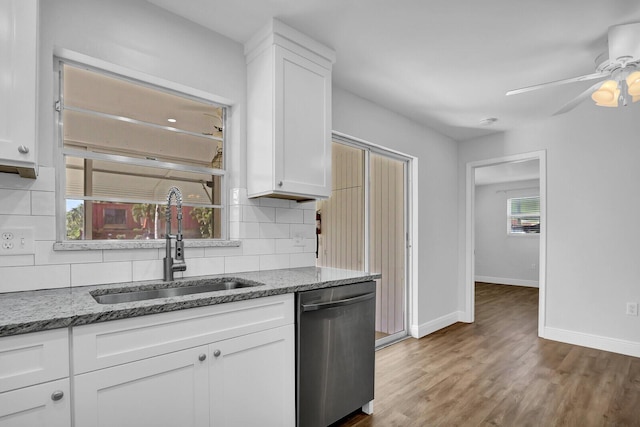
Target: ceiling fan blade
<point x="624" y="42"/>
<point x="578" y="99"/>
<point x="558" y="83"/>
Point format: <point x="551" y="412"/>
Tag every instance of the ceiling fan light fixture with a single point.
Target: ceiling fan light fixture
<point x="607" y="95"/>
<point x="633" y="83"/>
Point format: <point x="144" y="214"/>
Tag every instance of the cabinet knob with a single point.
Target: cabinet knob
<point x="57" y="395"/>
<point x="23" y="149"/>
<point x="217" y="353"/>
<point x="279" y="183"/>
<point x="202" y="357"/>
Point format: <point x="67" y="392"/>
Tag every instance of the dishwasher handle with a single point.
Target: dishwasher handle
<point x="339" y="303"/>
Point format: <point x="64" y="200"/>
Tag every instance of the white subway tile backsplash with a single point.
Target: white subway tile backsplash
<point x="44" y="226"/>
<point x="304" y="205"/>
<point x="34" y="277"/>
<point x="276" y="203"/>
<point x="147" y="270"/>
<point x="307" y="259"/>
<point x="309" y="217"/>
<point x="43" y="203"/>
<point x="289" y="216"/>
<point x="236" y="264"/>
<point x="310" y="245"/>
<point x="273" y="262"/>
<point x="114" y="255"/>
<point x="16" y="260"/>
<point x="188" y="252"/>
<point x="235" y="213"/>
<point x="287" y="246"/>
<point x="100" y="273"/>
<point x="307" y="231"/>
<point x="234" y="230"/>
<point x="46" y="255"/>
<point x="258" y="214"/>
<point x="274" y="231"/>
<point x="249" y="230"/>
<point x="15" y="202"/>
<point x="204" y="266"/>
<point x="221" y="251"/>
<point x="258" y="246"/>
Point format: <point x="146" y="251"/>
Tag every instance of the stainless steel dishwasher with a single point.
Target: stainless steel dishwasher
<point x="335" y="348"/>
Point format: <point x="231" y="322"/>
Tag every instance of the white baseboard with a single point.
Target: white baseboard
<point x="419" y="331"/>
<point x="629" y="348"/>
<point x="507" y="281"/>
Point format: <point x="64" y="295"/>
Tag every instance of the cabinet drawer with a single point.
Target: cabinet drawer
<point x="36" y="405"/>
<point x="33" y="358"/>
<point x="107" y="344"/>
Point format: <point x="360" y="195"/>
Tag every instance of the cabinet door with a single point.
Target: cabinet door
<point x="168" y="390"/>
<point x="252" y="380"/>
<point x="18" y="55"/>
<point x="35" y="406"/>
<point x="303" y="125"/>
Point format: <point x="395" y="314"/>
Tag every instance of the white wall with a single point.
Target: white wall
<point x="145" y="39"/>
<point x="501" y="258"/>
<point x="592" y="240"/>
<point x="435" y="299"/>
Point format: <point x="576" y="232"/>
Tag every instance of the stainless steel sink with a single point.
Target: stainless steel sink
<point x="116" y="296"/>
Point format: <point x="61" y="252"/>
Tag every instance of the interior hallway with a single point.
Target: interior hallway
<point x="496" y="371"/>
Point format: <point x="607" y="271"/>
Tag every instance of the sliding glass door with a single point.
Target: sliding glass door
<point x="363" y="226"/>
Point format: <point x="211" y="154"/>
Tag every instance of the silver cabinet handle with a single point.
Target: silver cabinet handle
<point x="280" y="183"/>
<point x="57" y="395"/>
<point x="202" y="357"/>
<point x="217" y="353"/>
<point x="23" y="149"/>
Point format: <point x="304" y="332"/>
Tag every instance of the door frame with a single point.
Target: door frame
<point x="469" y="287"/>
<point x="411" y="227"/>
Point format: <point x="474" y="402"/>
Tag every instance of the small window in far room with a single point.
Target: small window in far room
<point x="523" y="215"/>
<point x="125" y="143"/>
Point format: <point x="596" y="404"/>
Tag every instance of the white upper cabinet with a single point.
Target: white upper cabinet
<point x="18" y="86"/>
<point x="288" y="115"/>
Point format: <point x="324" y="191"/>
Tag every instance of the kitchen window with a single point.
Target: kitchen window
<point x="523" y="215"/>
<point x="124" y="143"/>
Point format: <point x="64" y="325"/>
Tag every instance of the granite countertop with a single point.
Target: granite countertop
<point x="32" y="311"/>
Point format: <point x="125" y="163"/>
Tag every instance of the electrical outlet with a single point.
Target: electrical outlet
<point x="298" y="240"/>
<point x="632" y="309"/>
<point x="16" y="241"/>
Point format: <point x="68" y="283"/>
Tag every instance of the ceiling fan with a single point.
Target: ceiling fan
<point x="621" y="66"/>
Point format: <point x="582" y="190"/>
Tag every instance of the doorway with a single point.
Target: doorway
<point x="472" y="168"/>
<point x="364" y="224"/>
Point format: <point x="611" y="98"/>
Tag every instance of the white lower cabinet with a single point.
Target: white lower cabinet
<point x="187" y="369"/>
<point x="34" y="380"/>
<point x="42" y="405"/>
<point x="167" y="390"/>
<point x="252" y="380"/>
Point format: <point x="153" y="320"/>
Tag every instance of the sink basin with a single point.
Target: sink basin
<point x="117" y="296"/>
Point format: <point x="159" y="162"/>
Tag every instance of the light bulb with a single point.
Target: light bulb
<point x="607" y="95"/>
<point x="633" y="83"/>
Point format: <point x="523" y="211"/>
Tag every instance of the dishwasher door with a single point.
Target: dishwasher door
<point x="335" y="346"/>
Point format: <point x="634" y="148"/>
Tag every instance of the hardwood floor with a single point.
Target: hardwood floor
<point x="497" y="372"/>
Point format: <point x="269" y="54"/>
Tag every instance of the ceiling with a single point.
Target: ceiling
<point x="446" y="64"/>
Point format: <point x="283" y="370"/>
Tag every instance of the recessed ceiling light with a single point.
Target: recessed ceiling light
<point x="171" y="120"/>
<point x="488" y="121"/>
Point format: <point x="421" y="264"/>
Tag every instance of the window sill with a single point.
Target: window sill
<point x="138" y="244"/>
